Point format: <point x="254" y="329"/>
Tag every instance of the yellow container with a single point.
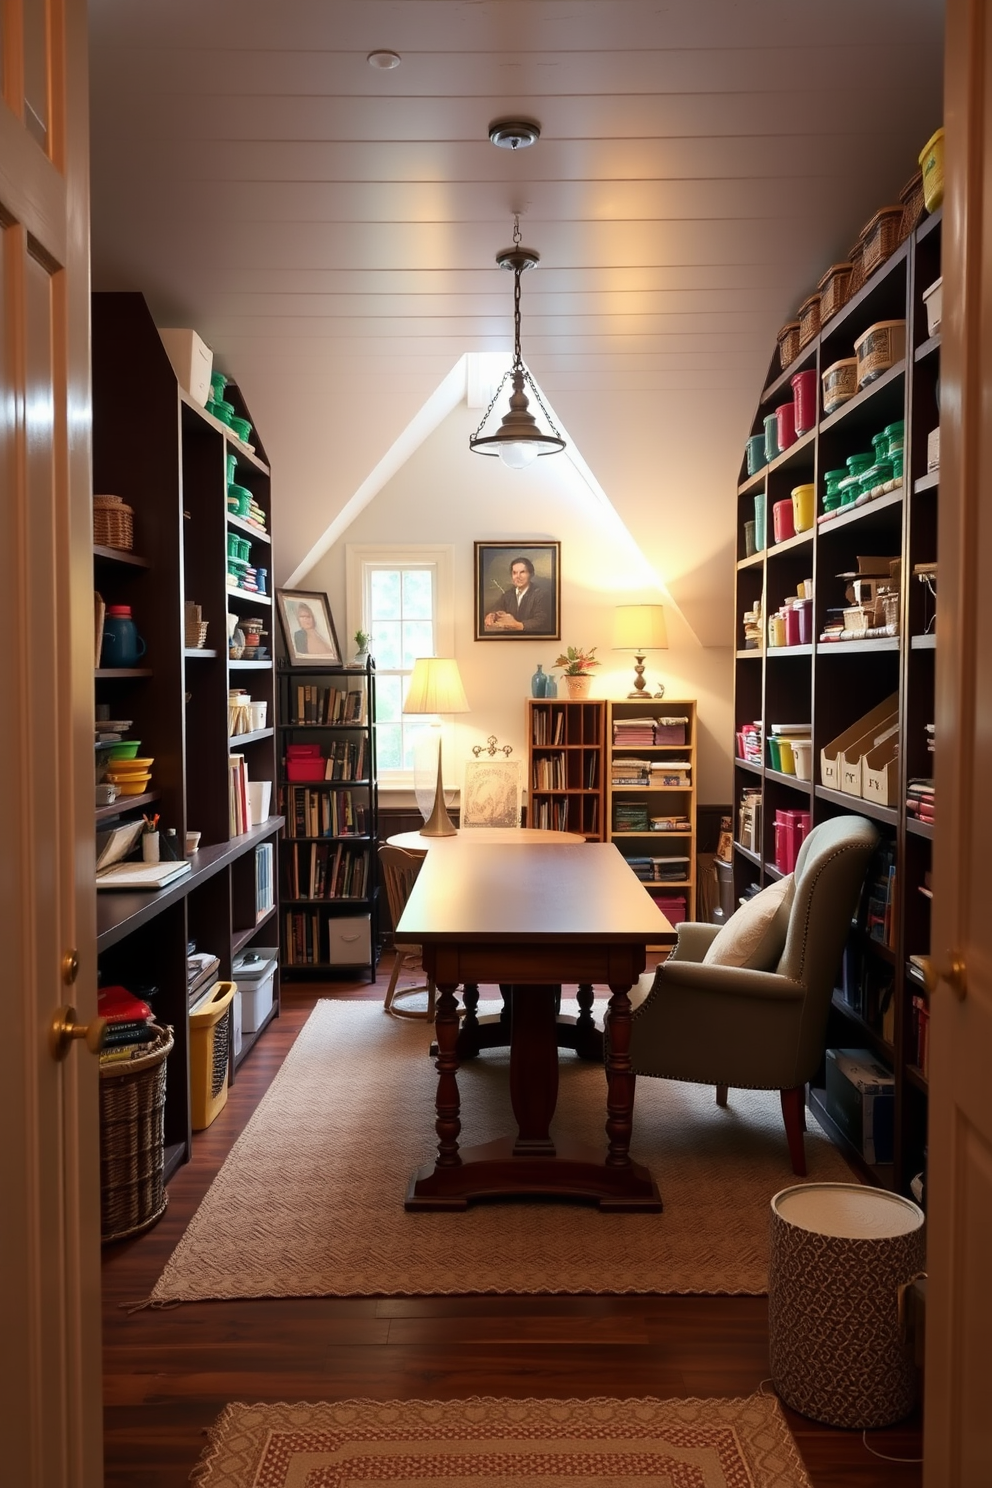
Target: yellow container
<point x="932" y="165"/>
<point x="803" y="507"/>
<point x="209" y="1053"/>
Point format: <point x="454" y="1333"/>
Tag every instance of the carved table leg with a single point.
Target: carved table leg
<point x="448" y="1106"/>
<point x="620" y="1079"/>
<point x="533" y="1070"/>
<point x="468" y="1034"/>
<point x="588" y="1038"/>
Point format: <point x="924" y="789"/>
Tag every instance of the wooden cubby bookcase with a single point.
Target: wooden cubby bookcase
<point x="154" y="446"/>
<point x="566" y="766"/>
<point x="832" y="684"/>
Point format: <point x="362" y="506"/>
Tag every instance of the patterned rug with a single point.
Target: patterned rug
<point x="310" y="1200"/>
<point x="494" y="1443"/>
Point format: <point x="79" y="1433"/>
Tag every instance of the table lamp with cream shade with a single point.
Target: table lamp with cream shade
<point x="640" y="628"/>
<point x="436" y="687"/>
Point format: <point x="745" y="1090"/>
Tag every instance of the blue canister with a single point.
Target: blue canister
<point x="771" y="438"/>
<point x="539" y="683"/>
<point x="122" y="645"/>
<point x="756" y="454"/>
<point x="262" y="579"/>
<point x="759" y="521"/>
<point x="550" y="686"/>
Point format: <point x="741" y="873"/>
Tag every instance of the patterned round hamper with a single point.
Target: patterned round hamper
<point x="840" y="1254"/>
<point x="132" y="1141"/>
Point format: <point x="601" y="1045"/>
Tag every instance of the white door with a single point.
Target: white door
<point x="50" y="1408"/>
<point x="958" y="1418"/>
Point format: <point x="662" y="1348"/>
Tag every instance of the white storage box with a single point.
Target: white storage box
<point x="236" y="1021"/>
<point x="933" y="449"/>
<point x="880" y="347"/>
<point x="933" y="299"/>
<point x="255" y="972"/>
<point x="350" y="939"/>
<point x="192" y="361"/>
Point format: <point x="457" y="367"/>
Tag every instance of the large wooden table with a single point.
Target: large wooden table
<point x="534" y="920"/>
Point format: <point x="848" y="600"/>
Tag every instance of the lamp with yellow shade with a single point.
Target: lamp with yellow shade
<point x="436" y="688"/>
<point x="640" y="628"/>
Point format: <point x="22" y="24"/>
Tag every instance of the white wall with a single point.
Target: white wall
<point x="446" y="494"/>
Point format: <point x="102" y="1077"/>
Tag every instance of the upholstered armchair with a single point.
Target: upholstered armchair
<point x="745" y="1004"/>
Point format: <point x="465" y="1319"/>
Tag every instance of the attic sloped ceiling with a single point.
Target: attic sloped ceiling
<point x="331" y="230"/>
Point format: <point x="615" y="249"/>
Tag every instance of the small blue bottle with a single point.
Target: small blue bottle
<point x="550" y="686"/>
<point x="539" y="683"/>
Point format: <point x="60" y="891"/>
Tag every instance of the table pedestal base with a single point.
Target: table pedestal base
<point x="494" y="1170"/>
<point x="492" y="1031"/>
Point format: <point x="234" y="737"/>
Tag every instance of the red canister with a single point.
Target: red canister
<point x="792" y="626"/>
<point x="783" y="521"/>
<point x="805" y="612"/>
<point x="804" y="401"/>
<point x="785" y="415"/>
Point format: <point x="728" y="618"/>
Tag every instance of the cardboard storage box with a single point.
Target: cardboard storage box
<point x="880" y="773"/>
<point x="861" y="1100"/>
<point x="350" y="940"/>
<point x="869" y="731"/>
<point x="852" y="755"/>
<point x="192" y="361"/>
<point x="255" y="980"/>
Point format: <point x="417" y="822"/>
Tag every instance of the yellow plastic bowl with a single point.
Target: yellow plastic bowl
<point x="124" y="767"/>
<point x="135" y="786"/>
<point x="932" y="165"/>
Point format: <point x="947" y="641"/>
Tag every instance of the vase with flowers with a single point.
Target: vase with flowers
<point x="576" y="666"/>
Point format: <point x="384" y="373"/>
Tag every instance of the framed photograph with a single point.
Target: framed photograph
<point x="308" y="628"/>
<point x="492" y="793"/>
<point x="517" y="591"/>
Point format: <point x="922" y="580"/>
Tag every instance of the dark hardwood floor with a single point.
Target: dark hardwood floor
<point x="168" y="1374"/>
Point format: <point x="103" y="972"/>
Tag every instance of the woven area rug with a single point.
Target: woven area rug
<point x="599" y="1443"/>
<point x="310" y="1199"/>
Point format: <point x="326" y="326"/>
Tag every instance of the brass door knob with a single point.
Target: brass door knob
<point x="65" y="1030"/>
<point x="952" y="971"/>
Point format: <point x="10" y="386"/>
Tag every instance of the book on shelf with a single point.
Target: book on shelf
<point x="318" y="870"/>
<point x="240" y="814"/>
<point x="330" y="705"/>
<point x="264" y="887"/>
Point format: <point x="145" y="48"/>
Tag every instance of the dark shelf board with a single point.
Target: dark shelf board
<point x="915" y="1076"/>
<point x="251" y="666"/>
<point x="883" y="272"/>
<point x="341" y="837"/>
<point x="214" y="423"/>
<point x="870" y="508"/>
<point x="799" y="541"/>
<point x="881" y="1175"/>
<point x="746" y="852"/>
<point x="880" y="1045"/>
<point x="751" y="653"/>
<point x="771" y="870"/>
<point x="247" y="597"/>
<point x="927" y="348"/>
<point x="193" y="651"/>
<point x="805" y="359"/>
<point x="116" y="555"/>
<point x="929" y="224"/>
<point x="237" y="741"/>
<point x="339" y="899"/>
<point x="919" y="828"/>
<point x="749" y="765"/>
<point x="860" y="807"/>
<point x="857" y="648"/>
<point x="120" y="912"/>
<point x="754" y="561"/>
<point x="788" y="458"/>
<point x="928" y="482"/>
<point x="121" y="674"/>
<point x="291" y="728"/>
<point x="860" y="401"/>
<point x="240" y="938"/>
<point x="923" y="642"/>
<point x="793" y="781"/>
<point x="126" y="803"/>
<point x="789" y="651"/>
<point x="248" y="529"/>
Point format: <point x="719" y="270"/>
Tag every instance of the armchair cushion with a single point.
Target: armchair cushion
<point x="754" y="936"/>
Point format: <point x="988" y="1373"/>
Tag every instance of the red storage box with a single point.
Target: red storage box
<point x="311" y="768"/>
<point x="671" y="731"/>
<point x="790" y="829"/>
<point x="672" y="906"/>
<point x="304" y="751"/>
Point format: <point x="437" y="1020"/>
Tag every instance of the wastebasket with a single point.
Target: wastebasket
<point x="132" y="1140"/>
<point x="210" y="1037"/>
<point x="725" y="891"/>
<point x="841" y="1254"/>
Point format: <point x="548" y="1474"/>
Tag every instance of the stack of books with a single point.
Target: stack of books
<point x="670" y="824"/>
<point x="631" y="772"/>
<point x="201" y="973"/>
<point x="240" y="814"/>
<point x="919" y="800"/>
<point x="671" y="772"/>
<point x="632" y="733"/>
<point x="130" y="1027"/>
<point x="630" y="816"/>
<point x="749" y="742"/>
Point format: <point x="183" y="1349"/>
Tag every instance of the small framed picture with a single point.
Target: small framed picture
<point x="492" y="794"/>
<point x="308" y="628"/>
<point x="517" y="591"/>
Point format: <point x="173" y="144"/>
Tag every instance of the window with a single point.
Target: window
<point x="402" y="597"/>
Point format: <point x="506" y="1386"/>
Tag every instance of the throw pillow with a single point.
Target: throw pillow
<point x="754" y="936"/>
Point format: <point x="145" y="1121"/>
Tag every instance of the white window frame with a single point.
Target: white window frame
<point x="359" y="559"/>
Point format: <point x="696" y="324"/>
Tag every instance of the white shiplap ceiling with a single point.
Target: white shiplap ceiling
<point x="330" y="229"/>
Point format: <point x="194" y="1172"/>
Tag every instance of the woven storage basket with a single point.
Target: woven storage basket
<point x="788" y="343"/>
<point x="809" y="320"/>
<point x="834" y="287"/>
<point x="196" y="634"/>
<point x="132" y="1138"/>
<point x="857" y="258"/>
<point x="881" y="237"/>
<point x="911" y="197"/>
<point x="113" y="525"/>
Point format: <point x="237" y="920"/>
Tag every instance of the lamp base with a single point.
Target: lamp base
<point x="439" y="823"/>
<point x="640" y="686"/>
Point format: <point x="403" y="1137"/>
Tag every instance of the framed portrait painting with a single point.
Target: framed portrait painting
<point x="308" y="628"/>
<point x="517" y="591"/>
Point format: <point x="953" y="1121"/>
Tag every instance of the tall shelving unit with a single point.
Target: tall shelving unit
<point x="668" y="801"/>
<point x="168" y="459"/>
<point x="565" y="766"/>
<point x="328" y="863"/>
<point x="831" y="685"/>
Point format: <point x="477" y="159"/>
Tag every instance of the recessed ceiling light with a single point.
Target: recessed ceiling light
<point x="514" y="134"/>
<point x="384" y="61"/>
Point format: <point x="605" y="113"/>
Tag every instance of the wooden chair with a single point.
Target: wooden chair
<point x="399" y="873"/>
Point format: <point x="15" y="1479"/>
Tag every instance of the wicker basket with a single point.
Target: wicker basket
<point x="788" y="343"/>
<point x="809" y="320"/>
<point x="835" y="288"/>
<point x="196" y="634"/>
<point x="857" y="260"/>
<point x="113" y="525"/>
<point x="881" y="237"/>
<point x="911" y="197"/>
<point x="132" y="1135"/>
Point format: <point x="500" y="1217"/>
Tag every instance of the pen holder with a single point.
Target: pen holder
<point x="150" y="847"/>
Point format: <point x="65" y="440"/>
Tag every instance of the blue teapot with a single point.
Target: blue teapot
<point x="122" y="645"/>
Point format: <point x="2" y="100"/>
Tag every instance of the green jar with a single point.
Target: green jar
<point x="831" y="496"/>
<point x="897" y="465"/>
<point x="876" y="475"/>
<point x="896" y="435"/>
<point x="850" y="486"/>
<point x="881" y="444"/>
